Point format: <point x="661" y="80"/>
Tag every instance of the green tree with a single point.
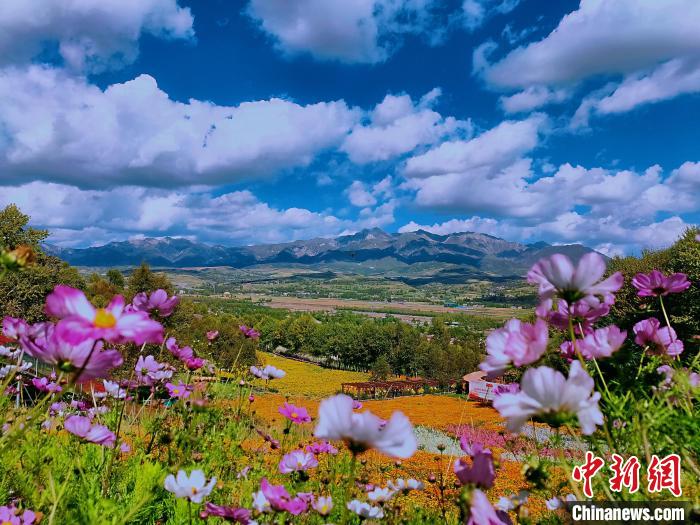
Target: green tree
<point x="116" y="278"/>
<point x="143" y="279"/>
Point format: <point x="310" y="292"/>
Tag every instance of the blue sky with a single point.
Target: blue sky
<point x="253" y="121"/>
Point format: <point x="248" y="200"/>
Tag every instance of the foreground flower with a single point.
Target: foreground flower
<point x="182" y="354"/>
<point x="268" y="372"/>
<point x="295" y="414"/>
<point x="660" y="341"/>
<point x="602" y="342"/>
<point x="180" y="391"/>
<point x="80" y="320"/>
<point x="11" y="516"/>
<point x="546" y="393"/>
<point x="149" y="371"/>
<point x="297" y="461"/>
<point x="323" y="505"/>
<point x="363" y="431"/>
<point x="517" y="342"/>
<point x="87" y="358"/>
<point x="250" y="333"/>
<point x="82" y="426"/>
<point x="365" y="510"/>
<point x="157" y="302"/>
<point x="582" y="314"/>
<point x="480" y="473"/>
<point x="233" y="514"/>
<point x="481" y="512"/>
<point x="193" y="487"/>
<point x="655" y="283"/>
<point x="557" y="276"/>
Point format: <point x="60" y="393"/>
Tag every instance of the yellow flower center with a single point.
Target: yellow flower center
<point x="294" y="415"/>
<point x="104" y="319"/>
<point x="176" y="391"/>
<point x="5" y="523"/>
<point x="194" y="490"/>
<point x="324" y="509"/>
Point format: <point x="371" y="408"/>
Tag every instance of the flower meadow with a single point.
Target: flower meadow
<point x="87" y="439"/>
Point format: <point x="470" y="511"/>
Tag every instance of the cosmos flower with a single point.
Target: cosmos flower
<point x="260" y="502"/>
<point x="193" y="487"/>
<point x="233" y="514"/>
<point x="212" y="335"/>
<point x="10" y="515"/>
<point x="323" y="505"/>
<point x="546" y="393"/>
<point x="365" y="510"/>
<point x="655" y="283"/>
<point x="182" y="354"/>
<point x="268" y="372"/>
<point x="558" y="277"/>
<point x="294" y="414"/>
<point x="280" y="500"/>
<point x="660" y="341"/>
<point x="114" y="389"/>
<point x="481" y="512"/>
<point x="363" y="431"/>
<point x="480" y="473"/>
<point x="80" y="320"/>
<point x="582" y="314"/>
<point x="13" y="327"/>
<point x="321" y="447"/>
<point x="44" y="385"/>
<point x="602" y="342"/>
<point x="157" y="302"/>
<point x="149" y="371"/>
<point x="380" y="495"/>
<point x="180" y="391"/>
<point x="297" y="461"/>
<point x="250" y="333"/>
<point x="194" y="363"/>
<point x="517" y="342"/>
<point x="405" y="485"/>
<point x="82" y="427"/>
<point x="70" y="357"/>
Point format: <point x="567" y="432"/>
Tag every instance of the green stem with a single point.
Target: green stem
<point x="641" y="361"/>
<point x="573" y="342"/>
<point x="601" y="377"/>
<point x="348" y="488"/>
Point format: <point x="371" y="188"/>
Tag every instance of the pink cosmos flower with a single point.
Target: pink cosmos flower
<point x="80" y="320"/>
<point x="149" y="371"/>
<point x="557" y="276"/>
<point x="157" y="302"/>
<point x="517" y="342"/>
<point x="180" y="391"/>
<point x="233" y="514"/>
<point x="182" y="354"/>
<point x="321" y="447"/>
<point x="295" y="414"/>
<point x="194" y="363"/>
<point x="660" y="341"/>
<point x="362" y="431"/>
<point x="480" y="473"/>
<point x="82" y="426"/>
<point x="694" y="379"/>
<point x="356" y="405"/>
<point x="655" y="283"/>
<point x="212" y="334"/>
<point x="602" y="342"/>
<point x="297" y="461"/>
<point x="70" y="357"/>
<point x="250" y="333"/>
<point x="13" y="327"/>
<point x="481" y="512"/>
<point x="10" y="515"/>
<point x="547" y="393"/>
<point x="280" y="500"/>
<point x="44" y="385"/>
<point x="193" y="487"/>
<point x="323" y="505"/>
<point x="582" y="314"/>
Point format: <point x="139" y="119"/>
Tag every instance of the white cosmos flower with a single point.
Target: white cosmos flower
<point x="193" y="487"/>
<point x="260" y="502"/>
<point x="380" y="495"/>
<point x="365" y="510"/>
<point x="362" y="431"/>
<point x="268" y="372"/>
<point x="406" y="484"/>
<point x="546" y="392"/>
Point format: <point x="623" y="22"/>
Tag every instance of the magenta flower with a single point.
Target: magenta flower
<point x="11" y="516"/>
<point x="481" y="512"/>
<point x="582" y="314"/>
<point x="157" y="302"/>
<point x="297" y="461"/>
<point x="557" y="276"/>
<point x="149" y="371"/>
<point x="295" y="414"/>
<point x="517" y="342"/>
<point x="356" y="405"/>
<point x="44" y="385"/>
<point x="280" y="500"/>
<point x="233" y="514"/>
<point x="250" y="333"/>
<point x="82" y="427"/>
<point x="655" y="283"/>
<point x="180" y="391"/>
<point x="480" y="473"/>
<point x="660" y="341"/>
<point x="69" y="357"/>
<point x="321" y="447"/>
<point x="182" y="354"/>
<point x="194" y="363"/>
<point x="212" y="334"/>
<point x="80" y="320"/>
<point x="14" y="327"/>
<point x="602" y="342"/>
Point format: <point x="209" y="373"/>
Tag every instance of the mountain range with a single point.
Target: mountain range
<point x="466" y="252"/>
